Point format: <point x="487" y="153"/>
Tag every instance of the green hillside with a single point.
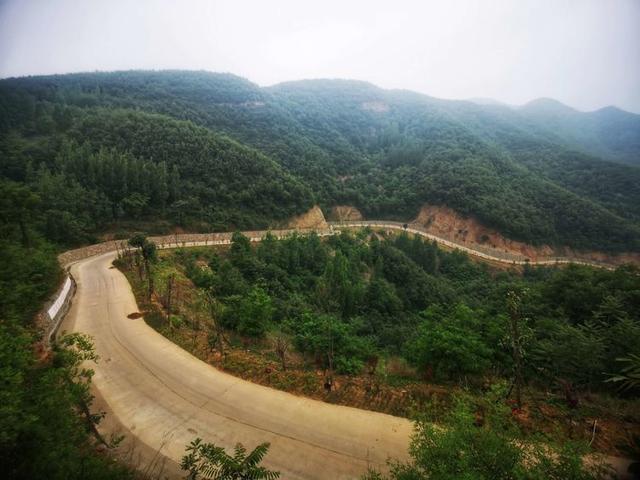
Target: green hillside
<point x="386" y="152"/>
<point x="111" y="153"/>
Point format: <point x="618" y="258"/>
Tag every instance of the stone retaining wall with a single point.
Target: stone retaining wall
<point x="178" y="240"/>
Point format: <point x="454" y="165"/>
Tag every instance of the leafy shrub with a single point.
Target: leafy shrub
<point x="348" y="366"/>
<point x="448" y="345"/>
<point x="176" y="321"/>
<point x="481" y="442"/>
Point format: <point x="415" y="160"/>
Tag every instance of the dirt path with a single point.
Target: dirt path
<point x="165" y="397"/>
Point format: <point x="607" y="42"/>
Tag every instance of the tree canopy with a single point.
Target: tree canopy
<point x="212" y="150"/>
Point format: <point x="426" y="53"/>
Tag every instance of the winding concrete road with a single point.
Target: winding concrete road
<point x="481" y="253"/>
<point x="165" y="397"/>
<point x="161" y="397"/>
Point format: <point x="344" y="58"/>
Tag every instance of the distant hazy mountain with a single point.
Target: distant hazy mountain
<point x="541" y="173"/>
<point x="610" y="133"/>
<point x="548" y="106"/>
<point x="487" y="101"/>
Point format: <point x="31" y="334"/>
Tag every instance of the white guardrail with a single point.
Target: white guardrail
<point x="58" y="309"/>
<point x="57" y="305"/>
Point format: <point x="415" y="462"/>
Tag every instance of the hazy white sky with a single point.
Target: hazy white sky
<point x="585" y="53"/>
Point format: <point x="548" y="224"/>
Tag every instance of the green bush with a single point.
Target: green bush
<point x="249" y="315"/>
<point x="448" y="345"/>
<point x="348" y="366"/>
<point x="176" y="321"/>
<point x="481" y="442"/>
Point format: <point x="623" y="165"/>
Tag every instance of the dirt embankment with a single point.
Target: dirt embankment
<point x="447" y="223"/>
<point x="314" y="218"/>
<point x="345" y="213"/>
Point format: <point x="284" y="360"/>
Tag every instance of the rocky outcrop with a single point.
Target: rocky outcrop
<point x="313" y="219"/>
<point x="345" y="213"/>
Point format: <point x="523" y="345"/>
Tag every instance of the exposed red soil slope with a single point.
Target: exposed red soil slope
<point x="314" y="218"/>
<point x="449" y="224"/>
<point x="344" y="213"/>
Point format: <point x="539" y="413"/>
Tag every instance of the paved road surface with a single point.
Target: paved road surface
<point x="165" y="397"/>
<point x="477" y="251"/>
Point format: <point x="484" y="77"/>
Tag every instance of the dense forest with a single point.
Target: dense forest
<point x="85" y="155"/>
<point x="443" y="313"/>
<point x="237" y="155"/>
<point x="112" y="165"/>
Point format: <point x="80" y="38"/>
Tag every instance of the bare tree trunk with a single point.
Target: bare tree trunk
<point x="169" y="289"/>
<point x="281" y="347"/>
<point x="517" y="360"/>
<point x="23" y="233"/>
<point x="195" y="324"/>
<point x="514" y="320"/>
<point x="138" y="261"/>
<point x="147" y="268"/>
<point x="213" y="312"/>
<point x="221" y="338"/>
<point x="329" y="381"/>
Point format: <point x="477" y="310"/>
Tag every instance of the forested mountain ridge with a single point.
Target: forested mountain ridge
<point x="88" y="154"/>
<point x="386" y="152"/>
<point x="114" y="164"/>
<point x="608" y="132"/>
